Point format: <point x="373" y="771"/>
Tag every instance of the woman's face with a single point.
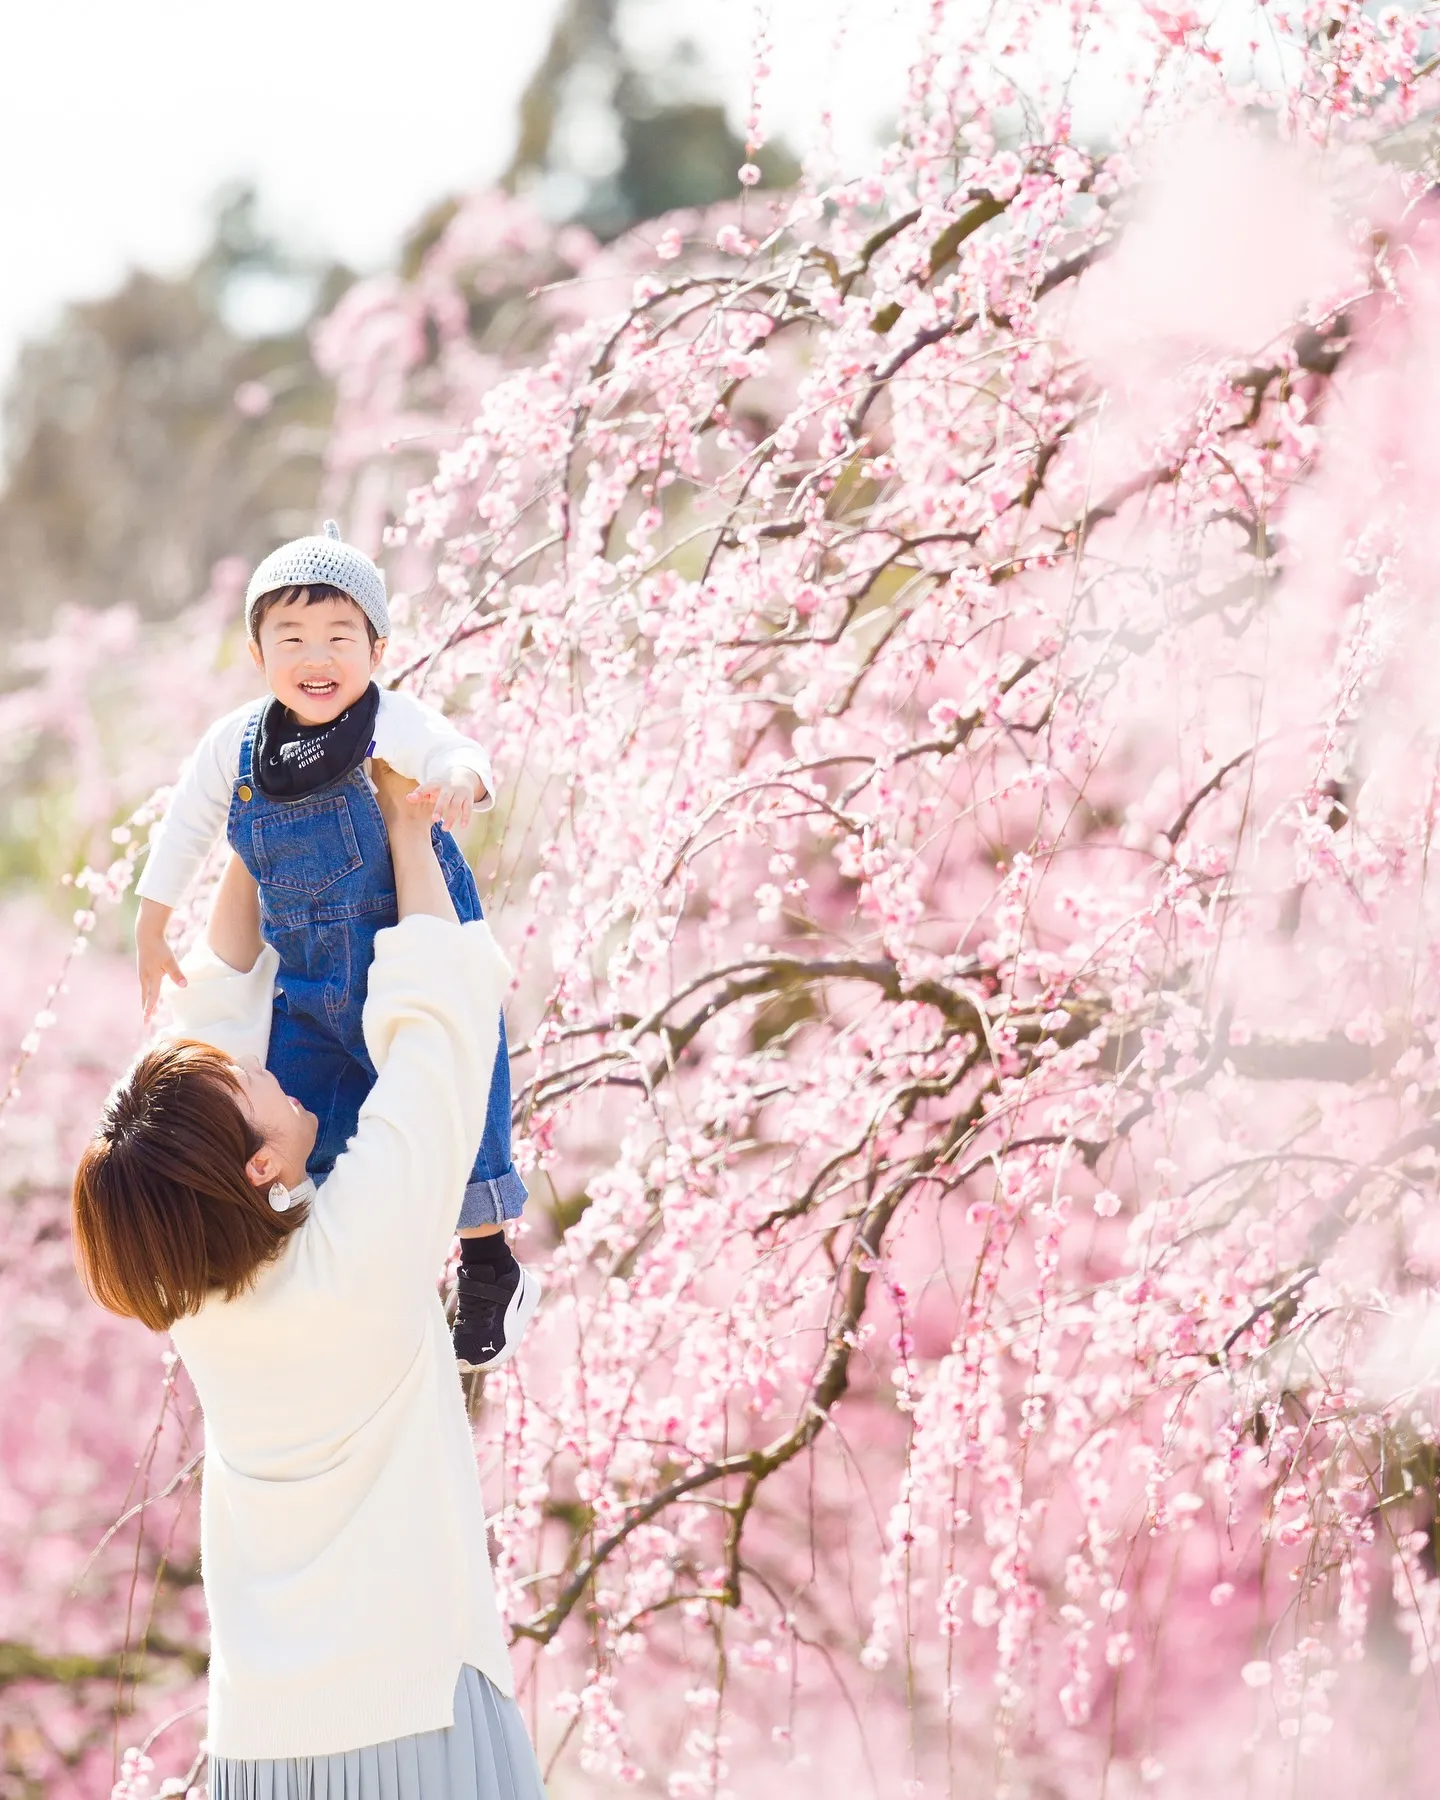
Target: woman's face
<point x="287" y="1129"/>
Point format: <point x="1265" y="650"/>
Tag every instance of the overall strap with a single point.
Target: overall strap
<point x="247" y="744"/>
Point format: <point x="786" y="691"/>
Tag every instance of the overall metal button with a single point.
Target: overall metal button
<point x="245" y="793"/>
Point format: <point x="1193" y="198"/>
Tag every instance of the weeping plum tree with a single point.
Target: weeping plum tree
<point x="959" y="651"/>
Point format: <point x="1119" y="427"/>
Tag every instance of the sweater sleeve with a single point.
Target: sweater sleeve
<point x="423" y="744"/>
<point x="431" y="1024"/>
<point x="229" y="1008"/>
<point x="197" y="812"/>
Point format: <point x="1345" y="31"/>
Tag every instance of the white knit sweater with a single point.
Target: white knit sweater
<point x="342" y="1531"/>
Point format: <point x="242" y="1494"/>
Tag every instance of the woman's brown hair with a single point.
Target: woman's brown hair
<point x="164" y="1213"/>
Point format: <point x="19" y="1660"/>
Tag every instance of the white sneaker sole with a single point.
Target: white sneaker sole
<point x="517" y="1316"/>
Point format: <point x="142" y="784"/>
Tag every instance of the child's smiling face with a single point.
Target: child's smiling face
<point x="317" y="656"/>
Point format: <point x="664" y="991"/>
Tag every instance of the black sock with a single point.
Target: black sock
<point x="488" y="1255"/>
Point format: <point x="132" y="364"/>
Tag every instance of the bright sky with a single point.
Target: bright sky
<point x="119" y="119"/>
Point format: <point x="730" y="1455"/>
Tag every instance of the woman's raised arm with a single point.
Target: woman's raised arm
<point x="419" y="880"/>
<point x="230" y="975"/>
<point x="233" y="932"/>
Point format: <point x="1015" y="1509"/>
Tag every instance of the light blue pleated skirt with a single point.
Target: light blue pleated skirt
<point x="485" y="1755"/>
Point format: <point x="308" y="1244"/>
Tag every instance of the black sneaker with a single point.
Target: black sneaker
<point x="491" y="1313"/>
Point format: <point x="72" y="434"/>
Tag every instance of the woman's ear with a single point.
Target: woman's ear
<point x="263" y="1167"/>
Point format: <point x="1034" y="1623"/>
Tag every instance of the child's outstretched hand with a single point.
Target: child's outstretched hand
<point x="153" y="956"/>
<point x="452" y="800"/>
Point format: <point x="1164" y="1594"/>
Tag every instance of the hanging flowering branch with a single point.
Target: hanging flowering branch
<point x="930" y="716"/>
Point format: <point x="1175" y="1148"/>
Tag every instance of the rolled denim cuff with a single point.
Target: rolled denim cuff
<point x="493" y="1201"/>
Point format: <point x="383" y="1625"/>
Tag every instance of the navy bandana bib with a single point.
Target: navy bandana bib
<point x="293" y="760"/>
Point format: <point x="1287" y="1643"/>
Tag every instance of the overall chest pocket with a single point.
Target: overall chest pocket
<point x="306" y="846"/>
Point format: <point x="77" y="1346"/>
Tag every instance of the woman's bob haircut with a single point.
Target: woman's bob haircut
<point x="164" y="1213"/>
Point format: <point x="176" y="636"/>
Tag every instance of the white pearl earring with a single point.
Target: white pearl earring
<point x="279" y="1197"/>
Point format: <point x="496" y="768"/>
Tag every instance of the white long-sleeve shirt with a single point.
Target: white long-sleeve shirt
<point x="342" y="1533"/>
<point x="413" y="738"/>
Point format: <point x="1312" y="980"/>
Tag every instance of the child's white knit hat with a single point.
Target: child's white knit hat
<point x="324" y="558"/>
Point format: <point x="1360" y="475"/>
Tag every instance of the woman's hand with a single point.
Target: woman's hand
<point x="419" y="882"/>
<point x="391" y="793"/>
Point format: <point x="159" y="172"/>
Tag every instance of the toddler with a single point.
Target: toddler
<point x="285" y="779"/>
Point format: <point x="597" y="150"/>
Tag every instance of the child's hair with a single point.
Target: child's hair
<point x="163" y="1211"/>
<point x="310" y="595"/>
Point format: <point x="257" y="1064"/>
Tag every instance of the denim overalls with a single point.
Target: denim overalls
<point x="326" y="887"/>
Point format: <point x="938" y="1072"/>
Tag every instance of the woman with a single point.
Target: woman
<point x="356" y="1648"/>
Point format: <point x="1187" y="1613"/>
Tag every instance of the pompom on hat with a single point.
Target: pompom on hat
<point x="325" y="557"/>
